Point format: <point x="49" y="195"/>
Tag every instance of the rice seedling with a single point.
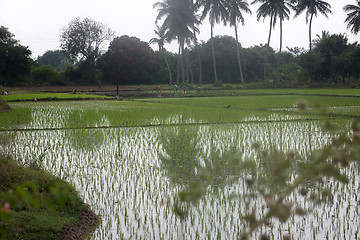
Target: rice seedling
<point x="129" y="160"/>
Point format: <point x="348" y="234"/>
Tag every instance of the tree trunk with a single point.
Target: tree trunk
<point x="187" y="70"/>
<point x="190" y="75"/>
<point x="198" y="57"/>
<point x="182" y="63"/>
<point x="271" y="22"/>
<point x="281" y="35"/>
<point x="117" y="89"/>
<point x="168" y="67"/>
<point x="310" y="24"/>
<point x="277" y="57"/>
<point x="238" y="55"/>
<point x="268" y="45"/>
<point x="213" y="51"/>
<point x="178" y="66"/>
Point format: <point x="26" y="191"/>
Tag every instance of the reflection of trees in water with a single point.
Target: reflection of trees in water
<point x="13" y="120"/>
<point x="85" y="139"/>
<point x="16" y="117"/>
<point x="186" y="162"/>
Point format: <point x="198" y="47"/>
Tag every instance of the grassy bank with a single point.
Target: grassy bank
<point x="36" y="205"/>
<point x="39" y="96"/>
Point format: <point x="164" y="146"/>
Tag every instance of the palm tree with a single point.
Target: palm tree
<point x="353" y="17"/>
<point x="235" y="8"/>
<point x="194" y="8"/>
<point x="217" y="12"/>
<point x="178" y="24"/>
<point x="275" y="9"/>
<point x="311" y="7"/>
<point x="160" y="32"/>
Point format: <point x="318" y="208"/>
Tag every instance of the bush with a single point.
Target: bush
<point x="218" y="83"/>
<point x="45" y="74"/>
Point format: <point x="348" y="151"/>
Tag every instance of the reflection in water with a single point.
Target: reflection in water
<point x="129" y="175"/>
<point x="186" y="161"/>
<point x="83" y="139"/>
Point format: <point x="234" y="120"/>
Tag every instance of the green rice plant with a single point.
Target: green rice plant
<point x="274" y="182"/>
<point x="110" y="150"/>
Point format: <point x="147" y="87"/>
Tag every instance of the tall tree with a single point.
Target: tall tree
<point x="353" y="17"/>
<point x="311" y="7"/>
<point x="217" y="12"/>
<point x="194" y="8"/>
<point x="15" y="61"/>
<point x="83" y="38"/>
<point x="56" y="58"/>
<point x="178" y="24"/>
<point x="160" y="32"/>
<point x="275" y="9"/>
<point x="128" y="61"/>
<point x="235" y="8"/>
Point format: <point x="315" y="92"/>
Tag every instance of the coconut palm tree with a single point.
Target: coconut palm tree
<point x="194" y="8"/>
<point x="217" y="12"/>
<point x="178" y="23"/>
<point x="311" y="7"/>
<point x="235" y="8"/>
<point x="353" y="17"/>
<point x="275" y="9"/>
<point x="160" y="32"/>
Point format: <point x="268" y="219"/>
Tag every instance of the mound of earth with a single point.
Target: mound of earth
<point x="87" y="223"/>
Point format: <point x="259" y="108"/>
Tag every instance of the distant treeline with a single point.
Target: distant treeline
<point x="128" y="60"/>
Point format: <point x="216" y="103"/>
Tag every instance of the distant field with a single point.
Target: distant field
<point x="48" y="96"/>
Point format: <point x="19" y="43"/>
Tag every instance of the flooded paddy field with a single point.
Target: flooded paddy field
<point x="129" y="160"/>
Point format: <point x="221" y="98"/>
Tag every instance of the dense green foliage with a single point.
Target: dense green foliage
<point x="331" y="59"/>
<point x="15" y="59"/>
<point x="49" y="96"/>
<point x="45" y="74"/>
<point x="57" y="59"/>
<point x="38" y="205"/>
<point x="128" y="61"/>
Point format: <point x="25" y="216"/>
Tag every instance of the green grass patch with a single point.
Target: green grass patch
<point x="49" y="96"/>
<point x="41" y="205"/>
<point x="305" y="91"/>
<point x="169" y="111"/>
<point x="262" y="101"/>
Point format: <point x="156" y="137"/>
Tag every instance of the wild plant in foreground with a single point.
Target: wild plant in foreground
<point x="276" y="177"/>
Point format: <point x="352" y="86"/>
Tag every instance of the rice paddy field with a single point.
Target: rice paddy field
<point x="129" y="159"/>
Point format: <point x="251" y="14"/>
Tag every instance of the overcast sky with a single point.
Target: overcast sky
<point x="39" y="23"/>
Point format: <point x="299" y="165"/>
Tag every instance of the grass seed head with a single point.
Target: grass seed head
<point x="336" y="158"/>
<point x="6" y="207"/>
<point x="303" y="191"/>
<point x="302" y="105"/>
<point x="264" y="237"/>
<point x="291" y="154"/>
<point x="356" y="136"/>
<point x="300" y="211"/>
<point x="270" y="200"/>
<point x="286" y="237"/>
